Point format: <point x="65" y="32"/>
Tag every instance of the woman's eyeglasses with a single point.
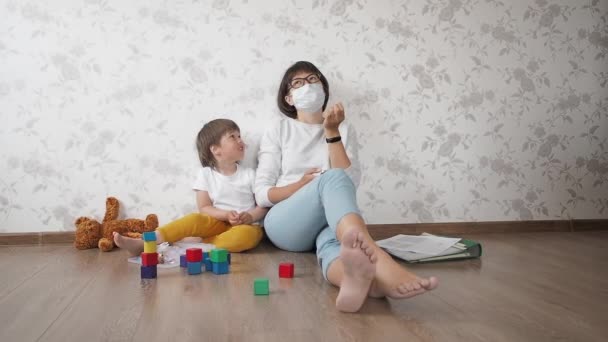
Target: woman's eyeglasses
<point x="296" y="83"/>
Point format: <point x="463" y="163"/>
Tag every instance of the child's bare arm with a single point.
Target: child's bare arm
<point x="253" y="215"/>
<point x="257" y="213"/>
<point x="203" y="202"/>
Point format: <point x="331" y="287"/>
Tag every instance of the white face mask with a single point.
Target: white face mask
<point x="309" y="98"/>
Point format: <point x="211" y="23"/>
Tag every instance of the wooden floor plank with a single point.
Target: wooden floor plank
<point x="18" y="264"/>
<point x="31" y="308"/>
<point x="526" y="287"/>
<point x="114" y="300"/>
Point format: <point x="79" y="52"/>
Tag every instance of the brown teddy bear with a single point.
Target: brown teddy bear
<point x="91" y="234"/>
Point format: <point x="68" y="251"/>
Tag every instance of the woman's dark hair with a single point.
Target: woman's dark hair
<point x="286" y="108"/>
<point x="211" y="134"/>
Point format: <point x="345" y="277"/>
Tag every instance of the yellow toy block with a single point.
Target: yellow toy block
<point x="149" y="246"/>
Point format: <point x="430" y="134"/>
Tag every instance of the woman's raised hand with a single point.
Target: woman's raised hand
<point x="333" y="116"/>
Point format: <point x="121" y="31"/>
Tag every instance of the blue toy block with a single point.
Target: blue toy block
<point x="208" y="265"/>
<point x="149" y="236"/>
<point x="205" y="256"/>
<point x="221" y="267"/>
<point x="182" y="261"/>
<point x="148" y="272"/>
<point x="195" y="268"/>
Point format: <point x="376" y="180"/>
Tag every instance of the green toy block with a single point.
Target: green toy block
<point x="260" y="287"/>
<point x="219" y="255"/>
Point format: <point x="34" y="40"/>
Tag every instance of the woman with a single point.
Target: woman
<point x="305" y="165"/>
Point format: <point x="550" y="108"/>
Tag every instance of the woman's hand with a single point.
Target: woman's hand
<point x="308" y="176"/>
<point x="333" y="117"/>
<point x="280" y="193"/>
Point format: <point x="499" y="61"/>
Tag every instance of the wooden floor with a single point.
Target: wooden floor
<point x="527" y="287"/>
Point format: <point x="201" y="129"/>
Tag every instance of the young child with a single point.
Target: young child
<point x="228" y="215"/>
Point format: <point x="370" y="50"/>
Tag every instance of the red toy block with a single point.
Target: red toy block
<point x="194" y="255"/>
<point x="286" y="270"/>
<point x="149" y="259"/>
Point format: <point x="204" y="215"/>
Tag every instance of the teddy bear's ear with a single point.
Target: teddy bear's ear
<point x="81" y="220"/>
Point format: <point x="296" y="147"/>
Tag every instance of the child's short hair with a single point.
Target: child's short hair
<point x="211" y="134"/>
<point x="304" y="66"/>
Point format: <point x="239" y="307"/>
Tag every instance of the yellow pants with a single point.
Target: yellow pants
<point x="233" y="238"/>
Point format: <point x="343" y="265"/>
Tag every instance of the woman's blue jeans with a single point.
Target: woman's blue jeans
<point x="310" y="216"/>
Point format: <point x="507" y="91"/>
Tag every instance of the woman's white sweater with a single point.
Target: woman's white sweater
<point x="289" y="148"/>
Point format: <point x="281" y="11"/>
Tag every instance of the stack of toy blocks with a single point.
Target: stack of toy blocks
<point x="286" y="270"/>
<point x="183" y="262"/>
<point x="149" y="258"/>
<point x="219" y="261"/>
<point x="194" y="260"/>
<point x="261" y="287"/>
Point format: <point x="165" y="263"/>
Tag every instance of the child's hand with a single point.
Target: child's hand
<point x="245" y="218"/>
<point x="233" y="218"/>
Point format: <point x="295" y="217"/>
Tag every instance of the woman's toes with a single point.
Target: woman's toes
<point x="360" y="239"/>
<point x="365" y="244"/>
<point x="417" y="286"/>
<point x="433" y="282"/>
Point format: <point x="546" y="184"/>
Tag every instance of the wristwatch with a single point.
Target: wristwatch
<point x="333" y="140"/>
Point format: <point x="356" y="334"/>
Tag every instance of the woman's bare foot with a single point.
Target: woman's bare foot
<point x="394" y="281"/>
<point x="359" y="270"/>
<point x="134" y="246"/>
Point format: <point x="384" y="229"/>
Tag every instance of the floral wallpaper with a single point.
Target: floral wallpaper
<point x="465" y="110"/>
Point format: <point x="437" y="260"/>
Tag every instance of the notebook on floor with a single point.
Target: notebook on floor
<point x="430" y="248"/>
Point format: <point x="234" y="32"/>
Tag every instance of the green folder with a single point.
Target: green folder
<point x="464" y="249"/>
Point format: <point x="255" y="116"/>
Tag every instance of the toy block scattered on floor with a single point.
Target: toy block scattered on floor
<point x="220" y="267"/>
<point x="208" y="265"/>
<point x="219" y="255"/>
<point x="148" y="272"/>
<point x="194" y="255"/>
<point x="149" y="246"/>
<point x="286" y="270"/>
<point x="194" y="260"/>
<point x="218" y="261"/>
<point x="149" y="236"/>
<point x="261" y="287"/>
<point x="182" y="260"/>
<point x="195" y="267"/>
<point x="149" y="259"/>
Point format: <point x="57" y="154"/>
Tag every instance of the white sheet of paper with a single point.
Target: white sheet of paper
<point x="427" y="245"/>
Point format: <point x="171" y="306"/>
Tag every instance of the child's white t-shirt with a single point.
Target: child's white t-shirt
<point x="234" y="192"/>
